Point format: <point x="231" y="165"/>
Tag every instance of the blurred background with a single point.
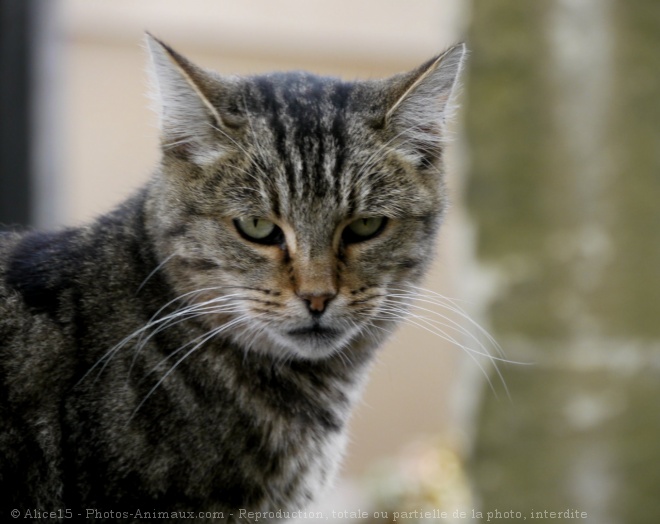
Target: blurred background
<point x="552" y="243"/>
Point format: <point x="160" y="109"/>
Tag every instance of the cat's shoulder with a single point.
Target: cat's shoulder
<point x="34" y="265"/>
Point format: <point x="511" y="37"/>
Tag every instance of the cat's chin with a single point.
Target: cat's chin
<point x="309" y="343"/>
<point x="316" y="343"/>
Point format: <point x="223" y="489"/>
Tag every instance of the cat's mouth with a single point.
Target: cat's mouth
<point x="315" y="340"/>
<point x="315" y="330"/>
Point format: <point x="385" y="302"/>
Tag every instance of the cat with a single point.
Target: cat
<point x="200" y="347"/>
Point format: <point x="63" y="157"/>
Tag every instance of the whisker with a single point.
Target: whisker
<point x="158" y="267"/>
<point x="104" y="360"/>
<point x="205" y="337"/>
<point x="406" y="317"/>
<point x="170" y="145"/>
<point x="462" y="331"/>
<point x="411" y="298"/>
<point x="451" y="324"/>
<point x="452" y="306"/>
<point x="216" y="330"/>
<point x="153" y="320"/>
<point x="179" y="318"/>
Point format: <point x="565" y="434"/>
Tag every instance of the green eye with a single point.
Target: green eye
<point x="363" y="229"/>
<point x="258" y="230"/>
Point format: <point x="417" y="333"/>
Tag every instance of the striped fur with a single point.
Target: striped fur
<point x="158" y="358"/>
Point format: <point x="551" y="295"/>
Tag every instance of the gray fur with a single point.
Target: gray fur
<point x="157" y="359"/>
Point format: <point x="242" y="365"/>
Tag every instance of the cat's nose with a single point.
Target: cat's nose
<point x="317" y="302"/>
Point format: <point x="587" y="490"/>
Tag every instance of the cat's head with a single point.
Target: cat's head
<point x="292" y="205"/>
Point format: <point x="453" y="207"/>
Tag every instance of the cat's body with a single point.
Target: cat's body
<point x="230" y="429"/>
<point x="285" y="210"/>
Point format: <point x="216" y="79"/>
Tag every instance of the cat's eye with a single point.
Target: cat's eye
<point x="363" y="229"/>
<point x="259" y="230"/>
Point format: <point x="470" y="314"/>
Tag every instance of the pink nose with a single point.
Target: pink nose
<point x="317" y="303"/>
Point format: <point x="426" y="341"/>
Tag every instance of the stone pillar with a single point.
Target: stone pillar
<point x="563" y="128"/>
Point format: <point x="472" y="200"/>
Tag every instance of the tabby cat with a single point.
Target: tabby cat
<point x="201" y="346"/>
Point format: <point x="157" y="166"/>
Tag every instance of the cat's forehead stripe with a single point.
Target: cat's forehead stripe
<point x="306" y="116"/>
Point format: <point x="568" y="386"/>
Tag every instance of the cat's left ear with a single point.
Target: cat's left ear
<point x="422" y="105"/>
<point x="193" y="123"/>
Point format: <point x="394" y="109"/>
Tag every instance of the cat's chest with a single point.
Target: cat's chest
<point x="304" y="462"/>
<point x="259" y="440"/>
<point x="289" y="441"/>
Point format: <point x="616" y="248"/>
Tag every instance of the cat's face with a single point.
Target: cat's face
<point x="293" y="205"/>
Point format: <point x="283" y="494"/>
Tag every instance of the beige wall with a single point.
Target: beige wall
<point x="109" y="141"/>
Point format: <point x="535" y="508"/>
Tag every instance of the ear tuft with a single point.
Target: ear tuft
<point x="180" y="90"/>
<point x="424" y="103"/>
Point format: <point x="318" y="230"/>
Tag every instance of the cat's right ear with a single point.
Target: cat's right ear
<point x="192" y="127"/>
